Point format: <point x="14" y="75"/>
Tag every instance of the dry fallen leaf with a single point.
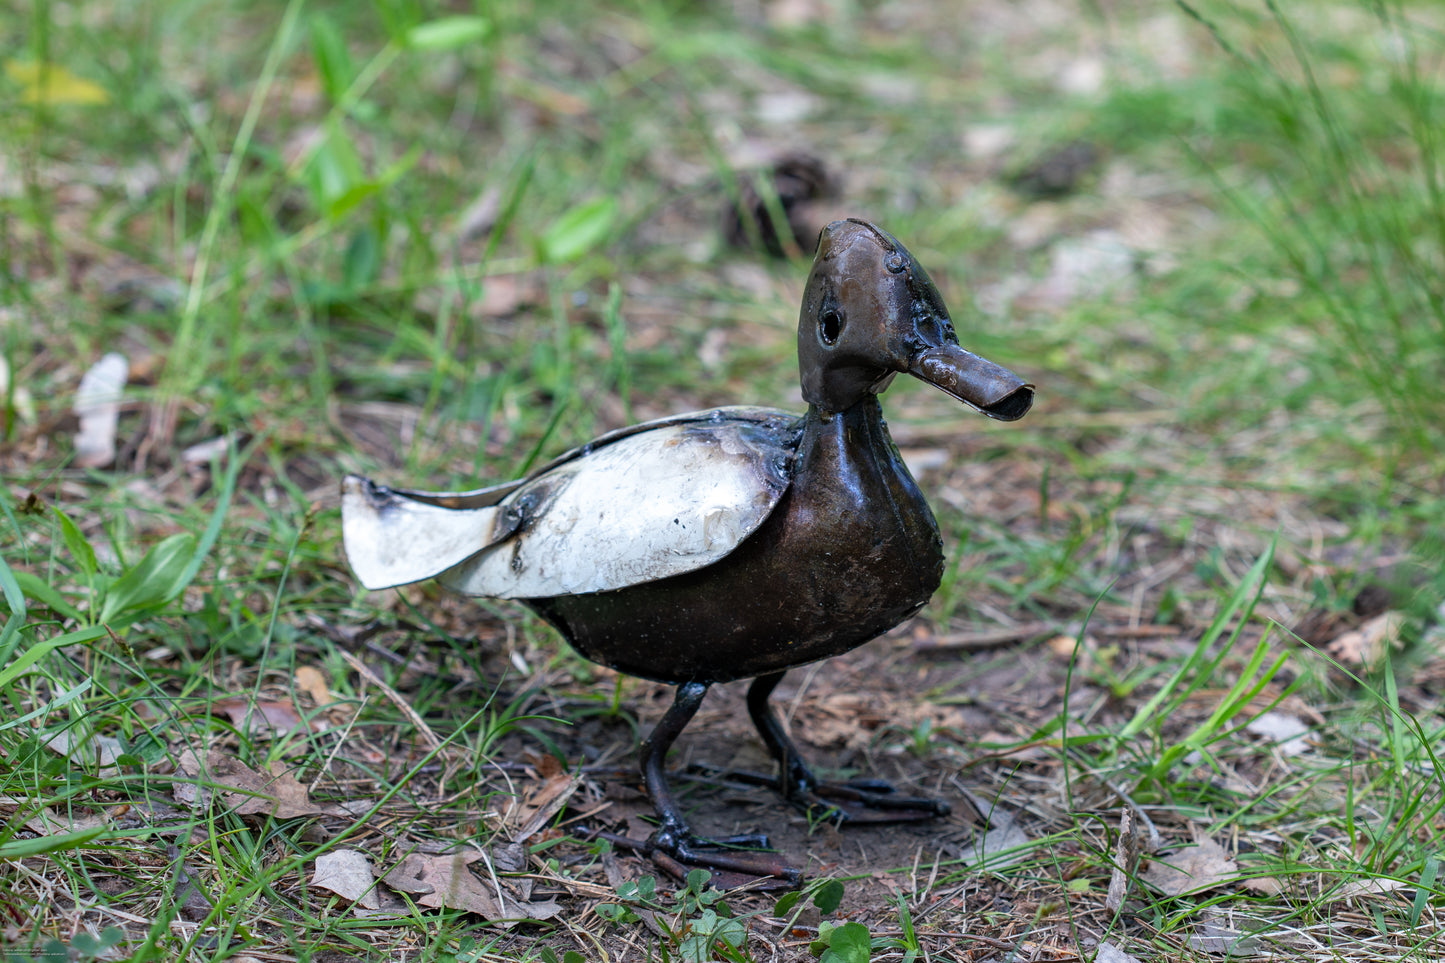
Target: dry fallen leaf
<point x="276" y="793"/>
<point x="310" y="681"/>
<point x="1126" y="860"/>
<point x="348" y="874"/>
<point x="1109" y="953"/>
<point x="93" y="750"/>
<point x="262" y="717"/>
<point x="1263" y="885"/>
<point x="1003" y="845"/>
<point x="446" y="881"/>
<point x="48" y="822"/>
<point x="1285" y="731"/>
<point x="1374" y="886"/>
<point x="1192" y="869"/>
<point x="1365" y="645"/>
<point x="542" y="804"/>
<point x="1218" y="939"/>
<point x="97" y="405"/>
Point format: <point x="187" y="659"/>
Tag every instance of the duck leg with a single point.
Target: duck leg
<point x="673" y="840"/>
<point x="856" y="801"/>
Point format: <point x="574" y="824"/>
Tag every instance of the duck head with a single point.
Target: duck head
<point x="870" y="311"/>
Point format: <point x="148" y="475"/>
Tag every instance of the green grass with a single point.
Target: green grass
<point x="266" y="216"/>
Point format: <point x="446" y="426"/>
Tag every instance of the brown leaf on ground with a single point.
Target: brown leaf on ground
<point x="310" y="681"/>
<point x="48" y="822"/>
<point x="1374" y="886"/>
<point x="88" y="749"/>
<point x="845" y="719"/>
<point x="260" y="717"/>
<point x="1366" y="645"/>
<point x="1194" y="869"/>
<point x="1263" y="885"/>
<point x="1126" y="860"/>
<point x="348" y="874"/>
<point x="1003" y="845"/>
<point x="276" y="793"/>
<point x="1219" y="939"/>
<point x="446" y="881"/>
<point x="541" y="804"/>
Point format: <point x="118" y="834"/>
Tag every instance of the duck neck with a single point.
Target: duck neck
<point x="850" y="454"/>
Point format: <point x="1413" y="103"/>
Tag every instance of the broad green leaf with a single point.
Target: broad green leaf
<point x="333" y="60"/>
<point x="86" y="946"/>
<point x="849" y="943"/>
<point x="46" y="594"/>
<point x="352" y="199"/>
<point x="577" y="231"/>
<point x="77" y="543"/>
<point x="14" y="597"/>
<point x="787" y="902"/>
<point x="448" y="33"/>
<point x="828" y="896"/>
<point x="22" y="848"/>
<point x="40" y="650"/>
<point x="334" y="172"/>
<point x="158" y="578"/>
<point x="54" y="85"/>
<point x="365" y="188"/>
<point x="15" y="602"/>
<point x="362" y="260"/>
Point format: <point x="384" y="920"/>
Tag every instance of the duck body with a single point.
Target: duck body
<point x="725" y="544"/>
<point x="849" y="550"/>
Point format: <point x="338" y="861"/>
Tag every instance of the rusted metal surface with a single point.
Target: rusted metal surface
<point x="850" y="551"/>
<point x="728" y="544"/>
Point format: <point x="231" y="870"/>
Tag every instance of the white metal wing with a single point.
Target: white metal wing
<point x="639" y="504"/>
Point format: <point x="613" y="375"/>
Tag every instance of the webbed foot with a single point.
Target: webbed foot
<point x="733" y="860"/>
<point x="864" y="801"/>
<point x="673" y="847"/>
<point x="857" y="801"/>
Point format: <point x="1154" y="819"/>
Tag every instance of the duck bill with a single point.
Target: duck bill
<point x="992" y="389"/>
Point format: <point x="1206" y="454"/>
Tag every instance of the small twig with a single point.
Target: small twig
<point x="544" y="814"/>
<point x="1154" y="841"/>
<point x="986" y="639"/>
<point x="365" y="671"/>
<point x="996" y="638"/>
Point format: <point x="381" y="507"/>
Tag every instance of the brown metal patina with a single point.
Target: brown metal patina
<point x="850" y="549"/>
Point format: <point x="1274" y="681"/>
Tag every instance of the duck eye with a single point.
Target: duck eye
<point x="895" y="264"/>
<point x="830" y="325"/>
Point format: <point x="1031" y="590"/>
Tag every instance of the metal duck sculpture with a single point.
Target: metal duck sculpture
<point x="733" y="543"/>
